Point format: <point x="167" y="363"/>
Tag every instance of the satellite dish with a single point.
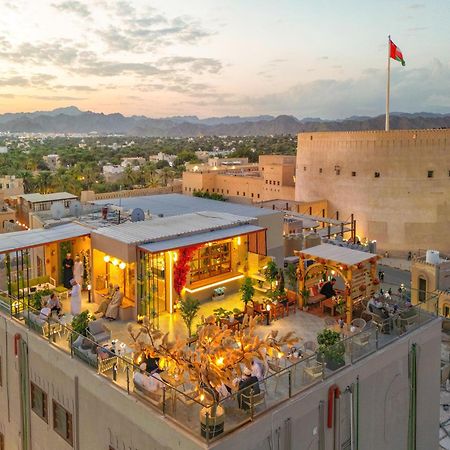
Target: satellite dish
<point x="57" y="210"/>
<point x="137" y="215"/>
<point x="75" y="208"/>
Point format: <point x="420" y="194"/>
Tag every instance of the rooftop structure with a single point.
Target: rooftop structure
<point x="11" y="186"/>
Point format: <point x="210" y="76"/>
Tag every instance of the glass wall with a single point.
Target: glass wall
<point x="152" y="296"/>
<point x="210" y="260"/>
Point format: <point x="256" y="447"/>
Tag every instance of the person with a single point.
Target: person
<point x="75" y="299"/>
<point x="112" y="312"/>
<point x="151" y="363"/>
<point x="78" y="270"/>
<point x="106" y="301"/>
<point x="153" y="382"/>
<point x="67" y="270"/>
<point x="258" y="369"/>
<point x="328" y="288"/>
<point x="54" y="304"/>
<point x="247" y="385"/>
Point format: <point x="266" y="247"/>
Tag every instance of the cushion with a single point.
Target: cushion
<point x="86" y="344"/>
<point x="96" y="327"/>
<point x="314" y="291"/>
<point x="77" y="342"/>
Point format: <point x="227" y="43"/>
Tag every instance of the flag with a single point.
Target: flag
<point x="396" y="53"/>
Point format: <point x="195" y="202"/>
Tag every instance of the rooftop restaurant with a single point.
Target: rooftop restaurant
<point x="207" y="330"/>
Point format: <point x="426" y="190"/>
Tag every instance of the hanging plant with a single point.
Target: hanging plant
<point x="362" y="287"/>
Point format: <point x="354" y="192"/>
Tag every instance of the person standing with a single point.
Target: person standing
<point x="67" y="270"/>
<point x="75" y="300"/>
<point x="78" y="270"/>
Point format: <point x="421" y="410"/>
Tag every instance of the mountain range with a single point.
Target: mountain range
<point x="73" y="120"/>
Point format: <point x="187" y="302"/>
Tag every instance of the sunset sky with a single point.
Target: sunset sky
<point x="223" y="57"/>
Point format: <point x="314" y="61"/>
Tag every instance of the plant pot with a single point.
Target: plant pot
<point x="332" y="364"/>
<point x="215" y="425"/>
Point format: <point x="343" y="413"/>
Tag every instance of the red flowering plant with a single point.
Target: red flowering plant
<point x="181" y="267"/>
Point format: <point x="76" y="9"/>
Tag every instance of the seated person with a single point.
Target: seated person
<point x="258" y="369"/>
<point x="139" y="376"/>
<point x="112" y="312"/>
<point x="153" y="382"/>
<point x="328" y="288"/>
<point x="376" y="307"/>
<point x="151" y="363"/>
<point x="246" y="385"/>
<point x="54" y="304"/>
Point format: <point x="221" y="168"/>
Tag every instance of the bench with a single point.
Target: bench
<point x="126" y="310"/>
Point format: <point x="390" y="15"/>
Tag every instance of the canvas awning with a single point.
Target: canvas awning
<point x="200" y="238"/>
<point x="20" y="240"/>
<point x="336" y="254"/>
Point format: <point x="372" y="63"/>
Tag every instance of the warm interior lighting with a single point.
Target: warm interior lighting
<point x="115" y="262"/>
<point x="280" y="354"/>
<point x="106" y="258"/>
<point x="239" y="240"/>
<point x="268" y="307"/>
<point x="202" y="397"/>
<point x="214" y="284"/>
<point x="171" y="256"/>
<point x="333" y="272"/>
<point x="175" y="256"/>
<point x="89" y="287"/>
<point x="219" y="361"/>
<point x="122" y="265"/>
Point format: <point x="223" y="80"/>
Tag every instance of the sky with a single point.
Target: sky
<point x="321" y="58"/>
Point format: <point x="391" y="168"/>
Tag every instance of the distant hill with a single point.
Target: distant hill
<point x="72" y="120"/>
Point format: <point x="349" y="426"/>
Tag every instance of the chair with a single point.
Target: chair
<point x="358" y="323"/>
<point x="253" y="400"/>
<point x="313" y="372"/>
<point x="309" y="348"/>
<point x="275" y="369"/>
<point x="361" y="340"/>
<point x="98" y="332"/>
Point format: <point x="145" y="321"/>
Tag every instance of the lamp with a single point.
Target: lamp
<point x="89" y="287"/>
<point x="268" y="314"/>
<point x="115" y="262"/>
<point x="122" y="265"/>
<point x="106" y="258"/>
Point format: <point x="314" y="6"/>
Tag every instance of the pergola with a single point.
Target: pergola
<point x="358" y="270"/>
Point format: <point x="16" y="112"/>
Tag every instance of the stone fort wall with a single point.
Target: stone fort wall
<point x="397" y="183"/>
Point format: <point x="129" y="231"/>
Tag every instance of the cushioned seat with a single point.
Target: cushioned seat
<point x="98" y="332"/>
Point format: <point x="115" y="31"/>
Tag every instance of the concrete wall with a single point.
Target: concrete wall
<point x="383" y="404"/>
<point x="402" y="209"/>
<point x="105" y="415"/>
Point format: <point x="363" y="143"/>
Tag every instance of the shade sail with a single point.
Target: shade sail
<point x="41" y="236"/>
<point x="200" y="238"/>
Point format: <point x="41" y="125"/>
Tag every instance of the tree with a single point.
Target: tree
<point x="247" y="290"/>
<point x="188" y="309"/>
<point x="271" y="272"/>
<point x="161" y="164"/>
<point x="44" y="182"/>
<point x="291" y="275"/>
<point x="216" y="356"/>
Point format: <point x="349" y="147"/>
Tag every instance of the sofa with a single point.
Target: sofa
<point x="42" y="326"/>
<point x="154" y="397"/>
<point x="87" y="351"/>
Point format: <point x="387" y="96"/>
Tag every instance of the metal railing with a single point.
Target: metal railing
<point x="285" y="379"/>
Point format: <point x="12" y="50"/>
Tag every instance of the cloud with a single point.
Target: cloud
<point x="36" y="80"/>
<point x="416" y="29"/>
<point x="75" y="87"/>
<point x="74" y="7"/>
<point x="14" y="81"/>
<point x="416" y="6"/>
<point x="195" y="65"/>
<point x="332" y="98"/>
<point x="7" y="96"/>
<point x="56" y="98"/>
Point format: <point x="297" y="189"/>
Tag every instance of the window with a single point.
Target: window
<point x="377" y="174"/>
<point x="252" y="195"/>
<point x="258" y="195"/>
<point x="449" y="173"/>
<point x="237" y="193"/>
<point x="213" y="189"/>
<point x="422" y="289"/>
<point x="267" y="181"/>
<point x="2" y="442"/>
<point x="338" y="171"/>
<point x="39" y="402"/>
<point x="430" y="173"/>
<point x="62" y="422"/>
<point x="278" y="183"/>
<point x="228" y="191"/>
<point x="304" y="168"/>
<point x="353" y="174"/>
<point x="243" y="194"/>
<point x="211" y="260"/>
<point x="320" y="170"/>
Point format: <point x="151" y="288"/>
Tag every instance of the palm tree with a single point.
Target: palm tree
<point x="28" y="180"/>
<point x="167" y="175"/>
<point x="44" y="181"/>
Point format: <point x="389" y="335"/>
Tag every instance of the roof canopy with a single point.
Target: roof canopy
<point x="40" y="236"/>
<point x="166" y="228"/>
<point x="53" y="197"/>
<point x="337" y="254"/>
<point x="200" y="238"/>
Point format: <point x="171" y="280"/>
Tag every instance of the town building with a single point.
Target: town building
<point x="132" y="161"/>
<point x="7" y="216"/>
<point x="161" y="156"/>
<point x="11" y="186"/>
<point x="27" y="204"/>
<point x="273" y="178"/>
<point x="396" y="183"/>
<point x="53" y="161"/>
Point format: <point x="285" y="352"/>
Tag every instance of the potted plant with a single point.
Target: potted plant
<point x="218" y="293"/>
<point x="188" y="309"/>
<point x="247" y="291"/>
<point x="36" y="299"/>
<point x="331" y="349"/>
<point x="80" y="324"/>
<point x="271" y="272"/>
<point x="305" y="295"/>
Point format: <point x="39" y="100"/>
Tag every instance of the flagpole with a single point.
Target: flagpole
<point x="388" y="86"/>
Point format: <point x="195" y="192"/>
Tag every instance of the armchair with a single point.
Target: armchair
<point x="98" y="332"/>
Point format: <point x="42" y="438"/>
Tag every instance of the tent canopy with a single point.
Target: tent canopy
<point x="337" y="254"/>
